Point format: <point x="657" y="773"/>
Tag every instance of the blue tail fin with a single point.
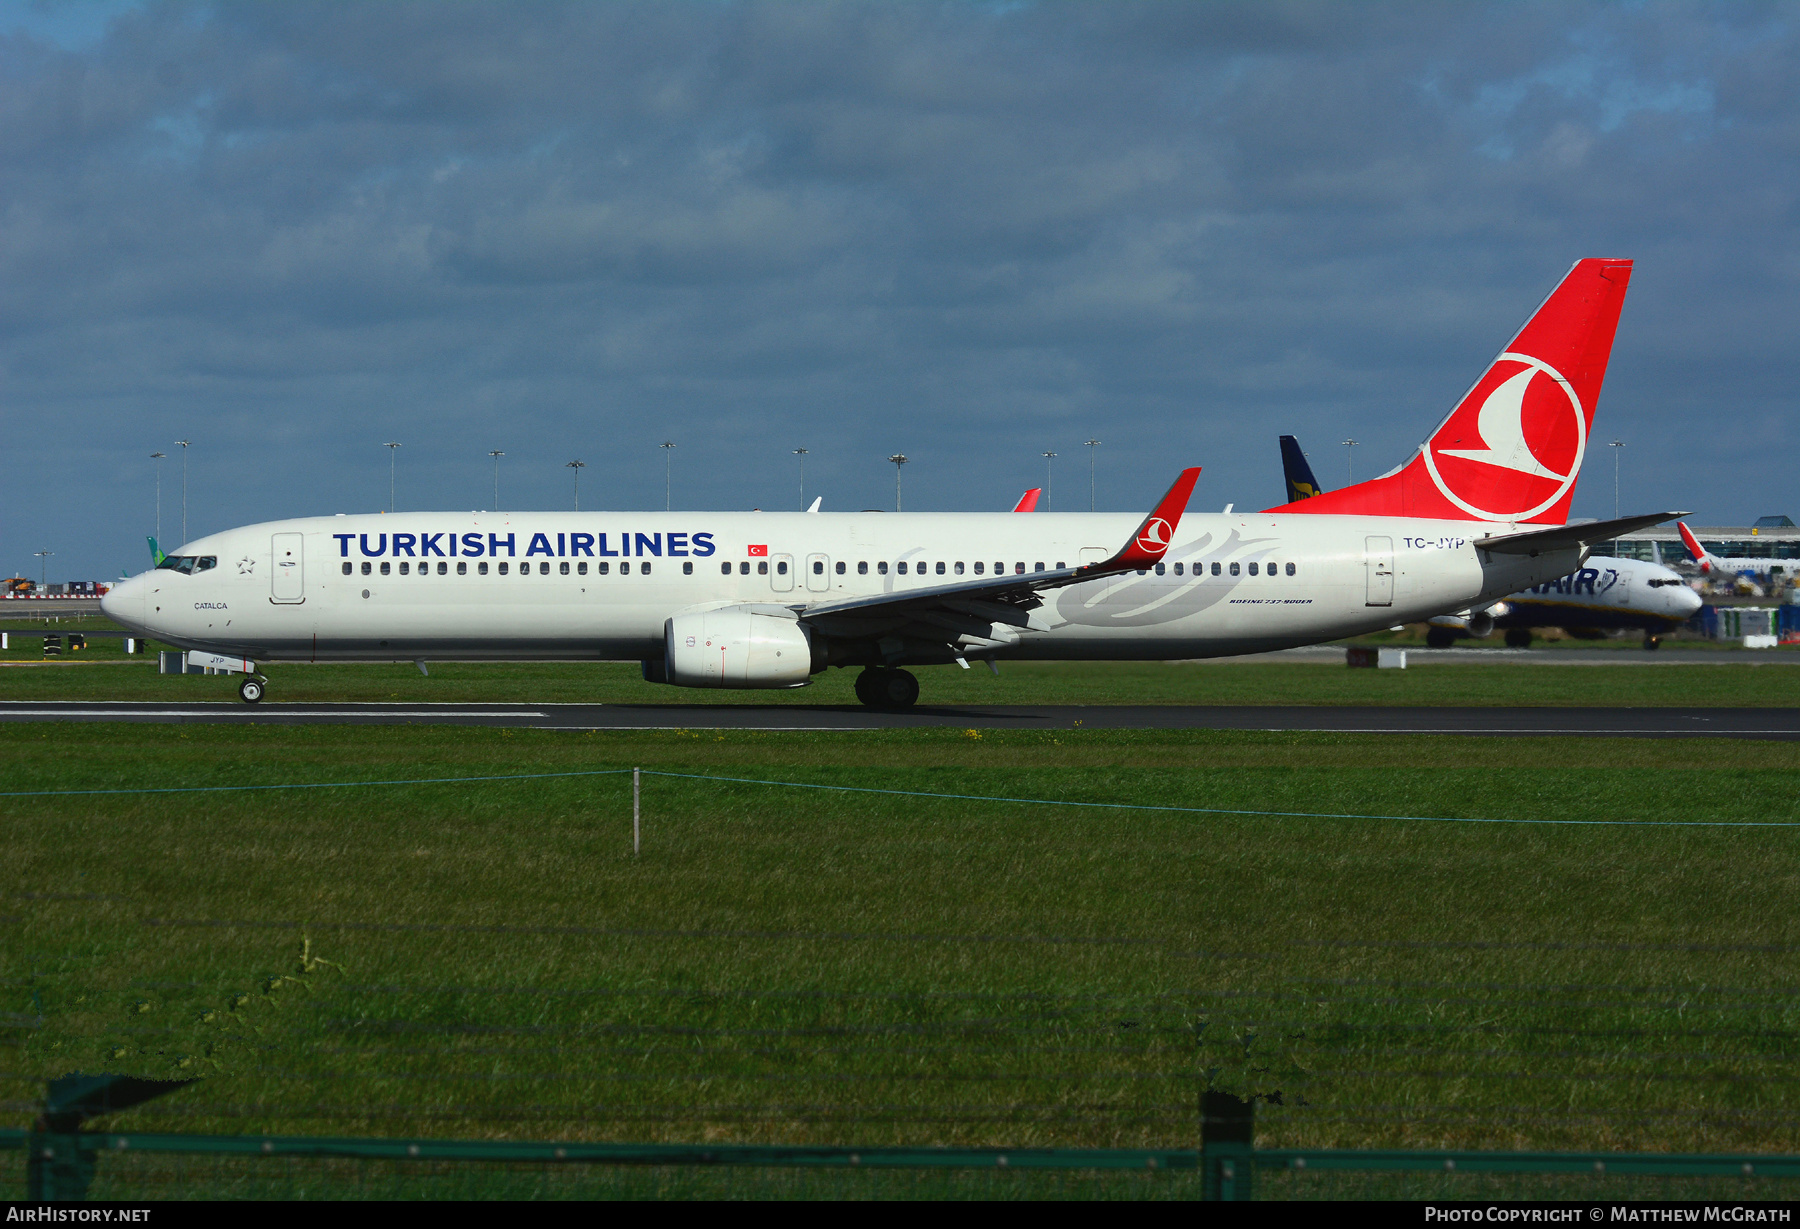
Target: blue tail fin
<point x="1300" y="481"/>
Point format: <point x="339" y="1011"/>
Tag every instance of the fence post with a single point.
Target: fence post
<point x="57" y="1167"/>
<point x="635" y="773"/>
<point x="1227" y="1146"/>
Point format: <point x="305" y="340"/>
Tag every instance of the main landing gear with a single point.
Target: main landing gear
<point x="1518" y="637"/>
<point x="881" y="687"/>
<point x="251" y="689"/>
<point x="1439" y="637"/>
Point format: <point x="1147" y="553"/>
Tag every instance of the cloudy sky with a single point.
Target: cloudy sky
<point x="969" y="232"/>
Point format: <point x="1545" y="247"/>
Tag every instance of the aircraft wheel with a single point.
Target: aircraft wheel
<point x="1439" y="638"/>
<point x="1652" y="643"/>
<point x="899" y="689"/>
<point x="251" y="690"/>
<point x="882" y="688"/>
<point x="1518" y="637"/>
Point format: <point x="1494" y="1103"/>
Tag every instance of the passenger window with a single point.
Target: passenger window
<point x="347" y="568"/>
<point x="687" y="569"/>
<point x="780" y="567"/>
<point x="1252" y="569"/>
<point x="840" y="567"/>
<point x="481" y="568"/>
<point x="818" y="567"/>
<point x="762" y="567"/>
<point x="544" y="568"/>
<point x="959" y="567"/>
<point x="1290" y="569"/>
<point x="862" y="568"/>
<point x="462" y="569"/>
<point x="1019" y="569"/>
<point x="980" y="567"/>
<point x="386" y="567"/>
<point x="881" y="568"/>
<point x="900" y="567"/>
<point x="999" y="569"/>
<point x="1234" y="568"/>
<point x="744" y="567"/>
<point x="644" y="568"/>
<point x="444" y="569"/>
<point x="624" y="568"/>
<point x="366" y="569"/>
<point x="1038" y="567"/>
<point x="1059" y="565"/>
<point x="581" y="569"/>
<point x="725" y="568"/>
<point x="403" y="568"/>
<point x="502" y="569"/>
<point x="562" y="568"/>
<point x="1216" y="569"/>
<point x="602" y="568"/>
<point x="1159" y="569"/>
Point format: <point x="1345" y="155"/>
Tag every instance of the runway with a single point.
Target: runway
<point x="1759" y="723"/>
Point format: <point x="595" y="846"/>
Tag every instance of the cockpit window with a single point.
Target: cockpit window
<point x="187" y="564"/>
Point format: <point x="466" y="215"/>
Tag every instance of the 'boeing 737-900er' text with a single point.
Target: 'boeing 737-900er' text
<point x="750" y="600"/>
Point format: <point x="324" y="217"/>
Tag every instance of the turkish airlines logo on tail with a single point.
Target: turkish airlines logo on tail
<point x="1154" y="540"/>
<point x="1513" y="448"/>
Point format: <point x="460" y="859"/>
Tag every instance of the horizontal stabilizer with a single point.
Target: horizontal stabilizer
<point x="1562" y="537"/>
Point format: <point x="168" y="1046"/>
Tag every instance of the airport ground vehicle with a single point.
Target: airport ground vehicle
<point x="762" y="600"/>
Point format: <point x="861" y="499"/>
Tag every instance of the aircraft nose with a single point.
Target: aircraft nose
<point x="124" y="603"/>
<point x="1687" y="601"/>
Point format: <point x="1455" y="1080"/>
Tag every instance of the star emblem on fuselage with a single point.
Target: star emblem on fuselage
<point x="246" y="566"/>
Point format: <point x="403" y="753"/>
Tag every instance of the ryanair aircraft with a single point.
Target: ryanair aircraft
<point x="766" y="600"/>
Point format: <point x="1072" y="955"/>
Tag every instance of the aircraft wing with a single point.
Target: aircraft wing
<point x="981" y="613"/>
<point x="1562" y="537"/>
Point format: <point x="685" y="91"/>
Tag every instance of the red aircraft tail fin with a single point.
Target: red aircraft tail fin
<point x="1512" y="448"/>
<point x="1028" y="501"/>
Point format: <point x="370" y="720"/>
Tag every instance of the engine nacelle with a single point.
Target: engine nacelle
<point x="1477" y="623"/>
<point x="736" y="646"/>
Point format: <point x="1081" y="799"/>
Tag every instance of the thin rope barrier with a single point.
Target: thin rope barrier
<point x="908" y="793"/>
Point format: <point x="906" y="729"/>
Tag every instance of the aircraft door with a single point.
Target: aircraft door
<point x="1622" y="591"/>
<point x="818" y="573"/>
<point x="287" y="576"/>
<point x="781" y="573"/>
<point x="1378" y="560"/>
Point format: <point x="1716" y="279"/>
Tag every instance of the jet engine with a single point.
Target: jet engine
<point x="737" y="646"/>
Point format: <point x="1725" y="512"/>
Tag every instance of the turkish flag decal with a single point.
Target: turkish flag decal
<point x="759" y="552"/>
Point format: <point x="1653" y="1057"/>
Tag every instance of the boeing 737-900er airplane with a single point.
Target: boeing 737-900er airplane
<point x="763" y="599"/>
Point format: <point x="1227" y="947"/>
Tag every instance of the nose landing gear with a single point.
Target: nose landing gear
<point x="251" y="689"/>
<point x="880" y="687"/>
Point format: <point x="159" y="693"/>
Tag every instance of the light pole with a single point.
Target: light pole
<point x="801" y="453"/>
<point x="897" y="460"/>
<point x="668" y="460"/>
<point x="1615" y="446"/>
<point x="496" y="454"/>
<point x="1091" y="445"/>
<point x="577" y="466"/>
<point x="393" y="451"/>
<point x="1048" y="458"/>
<point x="1350" y="459"/>
<point x="44" y="570"/>
<point x="158" y="458"/>
<point x="184" y="448"/>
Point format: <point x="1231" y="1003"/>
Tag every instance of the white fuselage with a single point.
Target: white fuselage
<point x="1605" y="594"/>
<point x="601" y="585"/>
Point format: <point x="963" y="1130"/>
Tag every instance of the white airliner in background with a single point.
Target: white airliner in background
<point x="762" y="599"/>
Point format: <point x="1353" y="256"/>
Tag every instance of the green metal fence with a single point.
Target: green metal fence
<point x="65" y="1162"/>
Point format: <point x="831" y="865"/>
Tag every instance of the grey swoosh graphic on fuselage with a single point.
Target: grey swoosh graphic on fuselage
<point x="1121" y="601"/>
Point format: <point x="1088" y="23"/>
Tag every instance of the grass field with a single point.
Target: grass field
<point x="789" y="965"/>
<point x="97" y="678"/>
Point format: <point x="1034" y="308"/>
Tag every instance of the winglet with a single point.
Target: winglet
<point x="1693" y="546"/>
<point x="1154" y="534"/>
<point x="156" y="554"/>
<point x="1028" y="501"/>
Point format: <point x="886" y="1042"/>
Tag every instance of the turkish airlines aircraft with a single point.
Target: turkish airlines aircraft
<point x="764" y="599"/>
